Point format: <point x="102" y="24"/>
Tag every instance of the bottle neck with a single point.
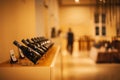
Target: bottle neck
<point x="17" y="44"/>
<point x="25" y="42"/>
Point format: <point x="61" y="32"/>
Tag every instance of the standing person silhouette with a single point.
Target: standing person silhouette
<point x="70" y="40"/>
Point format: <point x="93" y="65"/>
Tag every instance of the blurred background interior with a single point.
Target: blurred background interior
<point x="94" y="23"/>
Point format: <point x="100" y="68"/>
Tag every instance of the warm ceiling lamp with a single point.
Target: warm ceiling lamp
<point x="77" y="1"/>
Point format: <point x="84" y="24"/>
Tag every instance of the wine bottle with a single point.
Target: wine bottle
<point x="21" y="56"/>
<point x="40" y="51"/>
<point x="33" y="40"/>
<point x="43" y="42"/>
<point x="39" y="45"/>
<point x="13" y="58"/>
<point x="28" y="52"/>
<point x="30" y="42"/>
<point x="47" y="43"/>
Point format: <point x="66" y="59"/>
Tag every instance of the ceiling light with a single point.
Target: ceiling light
<point x="77" y="1"/>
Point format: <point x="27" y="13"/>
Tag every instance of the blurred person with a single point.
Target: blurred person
<point x="53" y="32"/>
<point x="70" y="40"/>
<point x="59" y="33"/>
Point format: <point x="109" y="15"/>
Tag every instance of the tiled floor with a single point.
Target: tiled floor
<point x="79" y="66"/>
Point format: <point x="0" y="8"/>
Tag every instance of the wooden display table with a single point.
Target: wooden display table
<point x="26" y="70"/>
<point x="85" y="43"/>
<point x="104" y="57"/>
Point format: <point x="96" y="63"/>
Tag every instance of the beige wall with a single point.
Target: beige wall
<point x="39" y="7"/>
<point x="81" y="20"/>
<point x="51" y="16"/>
<point x="47" y="16"/>
<point x="21" y="19"/>
<point x="17" y="21"/>
<point x="78" y="18"/>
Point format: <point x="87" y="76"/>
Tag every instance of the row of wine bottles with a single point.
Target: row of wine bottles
<point x="34" y="48"/>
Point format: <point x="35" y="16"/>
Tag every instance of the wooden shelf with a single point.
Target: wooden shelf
<point x="46" y="60"/>
<point x="26" y="70"/>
